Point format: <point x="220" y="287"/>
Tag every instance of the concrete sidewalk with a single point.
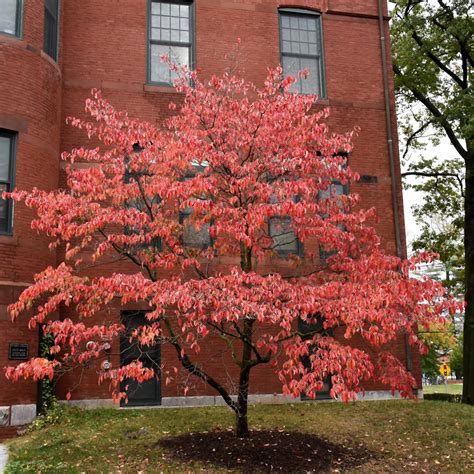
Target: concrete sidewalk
<point x="3" y="458"/>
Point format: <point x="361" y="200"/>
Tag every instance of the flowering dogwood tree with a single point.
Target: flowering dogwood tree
<point x="253" y="170"/>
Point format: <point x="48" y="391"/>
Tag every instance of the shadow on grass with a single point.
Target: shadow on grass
<point x="265" y="451"/>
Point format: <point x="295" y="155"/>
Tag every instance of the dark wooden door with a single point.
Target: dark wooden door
<point x="310" y="329"/>
<point x="149" y="392"/>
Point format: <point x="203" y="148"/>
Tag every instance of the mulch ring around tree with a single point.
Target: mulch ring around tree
<point x="265" y="451"/>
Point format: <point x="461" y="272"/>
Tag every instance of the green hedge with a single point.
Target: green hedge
<point x="445" y="397"/>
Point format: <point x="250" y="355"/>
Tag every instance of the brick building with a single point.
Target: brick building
<point x="53" y="52"/>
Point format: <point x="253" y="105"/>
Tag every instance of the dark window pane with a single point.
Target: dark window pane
<point x="8" y="16"/>
<point x="6" y="178"/>
<point x="3" y="209"/>
<point x="51" y="10"/>
<point x="5" y="146"/>
<point x="52" y="6"/>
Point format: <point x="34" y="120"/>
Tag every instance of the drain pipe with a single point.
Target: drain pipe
<point x="391" y="155"/>
<point x="388" y="120"/>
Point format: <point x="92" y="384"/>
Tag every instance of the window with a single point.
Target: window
<point x="10" y="17"/>
<point x="336" y="189"/>
<point x="7" y="171"/>
<point x="280" y="229"/>
<point x="139" y="204"/>
<point x="285" y="241"/>
<point x="170" y="33"/>
<point x="301" y="48"/>
<point x="192" y="236"/>
<point x="51" y="28"/>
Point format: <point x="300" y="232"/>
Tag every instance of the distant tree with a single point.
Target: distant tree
<point x="455" y="359"/>
<point x="255" y="172"/>
<point x="439" y="340"/>
<point x="440" y="216"/>
<point x="433" y="59"/>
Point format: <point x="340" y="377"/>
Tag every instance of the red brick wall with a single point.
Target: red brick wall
<point x="104" y="44"/>
<point x="30" y="104"/>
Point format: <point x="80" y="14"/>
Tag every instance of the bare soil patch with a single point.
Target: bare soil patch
<point x="266" y="451"/>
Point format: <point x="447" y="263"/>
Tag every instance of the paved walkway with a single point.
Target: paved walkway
<point x="3" y="458"/>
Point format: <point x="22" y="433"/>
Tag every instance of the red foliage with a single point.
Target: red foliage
<point x="256" y="150"/>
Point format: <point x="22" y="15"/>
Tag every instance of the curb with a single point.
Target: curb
<point x="3" y="458"/>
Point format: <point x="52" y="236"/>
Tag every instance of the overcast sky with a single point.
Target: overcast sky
<point x="444" y="151"/>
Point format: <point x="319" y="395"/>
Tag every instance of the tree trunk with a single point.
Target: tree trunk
<point x="242" y="424"/>
<point x="468" y="351"/>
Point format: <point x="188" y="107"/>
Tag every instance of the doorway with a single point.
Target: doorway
<point x="147" y="393"/>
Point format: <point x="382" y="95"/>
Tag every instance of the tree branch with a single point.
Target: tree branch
<point x="436" y="113"/>
<point x="413" y="136"/>
<point x="436" y="174"/>
<point x="437" y="61"/>
<point x="195" y="370"/>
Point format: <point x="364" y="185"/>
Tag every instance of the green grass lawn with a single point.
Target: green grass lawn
<point x="452" y="388"/>
<point x="405" y="436"/>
